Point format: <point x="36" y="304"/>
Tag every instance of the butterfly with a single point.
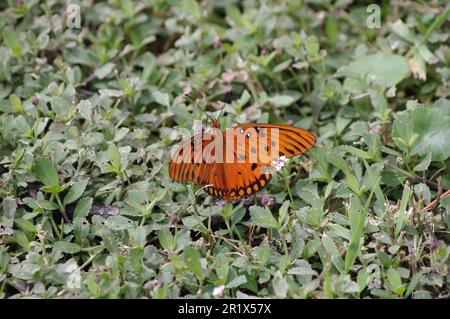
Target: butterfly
<point x="240" y="161"/>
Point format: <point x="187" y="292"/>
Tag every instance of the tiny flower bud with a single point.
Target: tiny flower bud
<point x="264" y="200"/>
<point x="150" y="284"/>
<point x="218" y="291"/>
<point x="35" y="101"/>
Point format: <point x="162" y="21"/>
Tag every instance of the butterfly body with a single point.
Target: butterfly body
<point x="238" y="162"/>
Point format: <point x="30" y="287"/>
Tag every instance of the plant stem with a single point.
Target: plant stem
<point x="286" y="180"/>
<point x="61" y="208"/>
<point x="91" y="258"/>
<point x="435" y="25"/>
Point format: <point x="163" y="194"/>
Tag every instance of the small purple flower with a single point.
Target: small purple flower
<point x="97" y="279"/>
<point x="247" y="201"/>
<point x="264" y="200"/>
<point x="221" y="202"/>
<point x="35" y="101"/>
<point x="150" y="284"/>
<point x="434" y="244"/>
<point x="279" y="163"/>
<point x="375" y="129"/>
<point x="173" y="218"/>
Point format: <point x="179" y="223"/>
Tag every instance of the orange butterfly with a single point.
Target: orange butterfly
<point x="239" y="161"/>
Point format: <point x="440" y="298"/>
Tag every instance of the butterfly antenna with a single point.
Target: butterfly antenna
<point x="226" y="101"/>
<point x="195" y="103"/>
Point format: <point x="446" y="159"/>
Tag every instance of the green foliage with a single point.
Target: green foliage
<point x="88" y="118"/>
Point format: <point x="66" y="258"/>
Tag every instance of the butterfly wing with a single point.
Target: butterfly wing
<point x="277" y="140"/>
<point x="184" y="163"/>
<point x="255" y="153"/>
<point x="188" y="163"/>
<point x="247" y="172"/>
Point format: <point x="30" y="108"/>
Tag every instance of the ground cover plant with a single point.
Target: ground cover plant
<point x="92" y="101"/>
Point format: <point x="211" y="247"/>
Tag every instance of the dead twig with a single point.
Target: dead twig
<point x="434" y="203"/>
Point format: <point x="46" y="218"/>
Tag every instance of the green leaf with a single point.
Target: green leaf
<point x="312" y="46"/>
<point x="192" y="260"/>
<point x="354" y="86"/>
<point x="280" y="286"/>
<point x="403" y="31"/>
<point x="283" y="263"/>
<point x="161" y="98"/>
<point x="282" y="212"/>
<point x="263" y="253"/>
<point x="26" y="225"/>
<point x="333" y="251"/>
<point x="222" y="267"/>
<point x="379" y="103"/>
<point x="395" y="281"/>
<point x="403" y="131"/>
<point x="235" y="15"/>
<point x="75" y="192"/>
<point x="331" y="28"/>
<point x="110" y="93"/>
<point x="108" y="240"/>
<point x="47" y="205"/>
<point x="16" y="103"/>
<point x="400" y="216"/>
<point x="355" y="242"/>
<point x="12" y="41"/>
<point x="46" y="172"/>
<point x="285" y="99"/>
<point x="83" y="207"/>
<point x="362" y="279"/>
<point x="119" y="222"/>
<point x="336" y="159"/>
<point x="431" y="125"/>
<point x="21" y="239"/>
<point x="424" y="164"/>
<point x="386" y="69"/>
<point x="236" y="282"/>
<point x="354" y="211"/>
<point x="193" y="8"/>
<point x="8" y="211"/>
<point x="413" y="284"/>
<point x="263" y="218"/>
<point x="166" y="239"/>
<point x="67" y="247"/>
<point x="114" y="157"/>
<point x="354" y="151"/>
<point x="104" y="70"/>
